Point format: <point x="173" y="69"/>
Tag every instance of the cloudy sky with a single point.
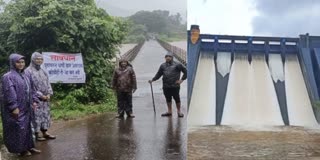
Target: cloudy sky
<point x="256" y="17"/>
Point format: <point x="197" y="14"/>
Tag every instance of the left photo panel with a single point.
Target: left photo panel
<point x="93" y="79"/>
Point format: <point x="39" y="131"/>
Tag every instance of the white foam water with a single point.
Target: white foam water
<point x="265" y="107"/>
<point x="299" y="106"/>
<point x="251" y="99"/>
<point x="202" y="108"/>
<point x="276" y="67"/>
<point x="223" y="63"/>
<point x="237" y="103"/>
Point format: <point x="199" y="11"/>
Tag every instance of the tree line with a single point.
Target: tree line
<point x="159" y="22"/>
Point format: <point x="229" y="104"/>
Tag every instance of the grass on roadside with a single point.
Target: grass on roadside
<point x="70" y="108"/>
<point x="81" y="110"/>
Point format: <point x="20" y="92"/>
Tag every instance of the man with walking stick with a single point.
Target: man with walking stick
<point x="170" y="72"/>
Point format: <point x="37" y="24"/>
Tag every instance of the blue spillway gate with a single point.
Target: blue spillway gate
<point x="306" y="47"/>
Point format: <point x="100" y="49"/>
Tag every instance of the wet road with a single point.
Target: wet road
<point x="282" y="143"/>
<point x="146" y="137"/>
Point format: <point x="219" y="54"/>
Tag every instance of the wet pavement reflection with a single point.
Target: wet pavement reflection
<point x="104" y="137"/>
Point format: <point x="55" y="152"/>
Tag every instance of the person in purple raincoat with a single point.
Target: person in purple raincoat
<point x="40" y="79"/>
<point x="18" y="100"/>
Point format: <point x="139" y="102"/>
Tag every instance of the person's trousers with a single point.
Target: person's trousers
<point x="124" y="102"/>
<point x="170" y="93"/>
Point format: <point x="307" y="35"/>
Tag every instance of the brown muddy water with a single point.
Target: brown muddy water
<point x="233" y="143"/>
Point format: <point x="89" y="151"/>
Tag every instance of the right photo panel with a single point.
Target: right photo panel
<point x="253" y="79"/>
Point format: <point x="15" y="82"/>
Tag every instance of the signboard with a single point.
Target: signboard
<point x="64" y="68"/>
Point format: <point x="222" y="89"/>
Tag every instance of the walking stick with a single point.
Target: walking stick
<point x="154" y="106"/>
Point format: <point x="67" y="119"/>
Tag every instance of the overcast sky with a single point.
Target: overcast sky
<point x="256" y="17"/>
<point x="221" y="17"/>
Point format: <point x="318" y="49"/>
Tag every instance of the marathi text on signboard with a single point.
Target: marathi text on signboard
<point x="64" y="68"/>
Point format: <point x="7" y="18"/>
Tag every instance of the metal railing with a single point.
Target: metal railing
<point x="131" y="54"/>
<point x="179" y="53"/>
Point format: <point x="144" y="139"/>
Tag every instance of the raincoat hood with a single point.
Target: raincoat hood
<point x="34" y="56"/>
<point x="13" y="58"/>
<point x="124" y="60"/>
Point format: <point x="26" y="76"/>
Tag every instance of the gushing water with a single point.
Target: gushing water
<point x="223" y="63"/>
<point x="237" y="103"/>
<point x="202" y="103"/>
<point x="251" y="98"/>
<point x="299" y="106"/>
<point x="276" y="67"/>
<point x="265" y="107"/>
